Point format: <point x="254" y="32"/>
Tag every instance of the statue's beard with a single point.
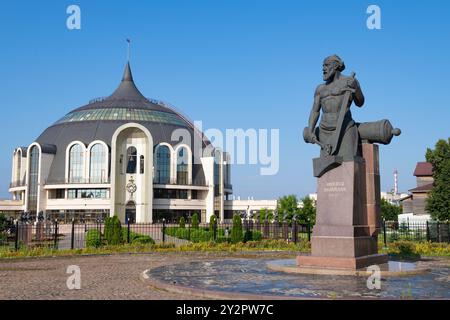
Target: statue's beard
<point x="327" y="76"/>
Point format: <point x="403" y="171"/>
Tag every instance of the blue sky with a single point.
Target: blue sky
<point x="232" y="64"/>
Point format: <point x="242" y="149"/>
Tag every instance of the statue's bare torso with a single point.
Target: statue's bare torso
<point x="331" y="97"/>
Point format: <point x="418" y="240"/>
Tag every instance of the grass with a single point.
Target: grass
<point x="264" y="245"/>
<point x="413" y="249"/>
<point x="404" y="249"/>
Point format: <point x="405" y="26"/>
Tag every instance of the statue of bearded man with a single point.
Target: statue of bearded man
<point x="331" y="97"/>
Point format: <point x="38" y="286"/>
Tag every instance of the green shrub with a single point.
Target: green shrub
<point x="171" y="231"/>
<point x="252" y="235"/>
<point x="182" y="233"/>
<point x="222" y="239"/>
<point x="428" y="248"/>
<point x="195" y="221"/>
<point x="247" y="236"/>
<point x="236" y="231"/>
<point x="3" y="222"/>
<point x="213" y="225"/>
<point x="256" y="235"/>
<point x="200" y="235"/>
<point x="113" y="230"/>
<point x="3" y="237"/>
<point x="142" y="239"/>
<point x="93" y="238"/>
<point x="393" y="237"/>
<point x="182" y="223"/>
<point x="403" y="248"/>
<point x="136" y="238"/>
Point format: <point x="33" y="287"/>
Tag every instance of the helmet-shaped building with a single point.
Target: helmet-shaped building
<point x="123" y="155"/>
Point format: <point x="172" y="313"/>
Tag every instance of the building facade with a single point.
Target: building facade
<point x="414" y="204"/>
<point x="123" y="155"/>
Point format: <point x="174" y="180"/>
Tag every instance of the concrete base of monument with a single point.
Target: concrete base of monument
<point x="387" y="268"/>
<point x="353" y="263"/>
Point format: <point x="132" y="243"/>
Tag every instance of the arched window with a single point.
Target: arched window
<point x="34" y="177"/>
<point x="131" y="160"/>
<point x="142" y="165"/>
<point x="162" y="165"/>
<point x="97" y="169"/>
<point x="76" y="163"/>
<point x="182" y="166"/>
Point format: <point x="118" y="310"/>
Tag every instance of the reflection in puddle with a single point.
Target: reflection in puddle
<point x="253" y="277"/>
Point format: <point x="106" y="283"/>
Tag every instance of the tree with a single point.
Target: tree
<point x="438" y="201"/>
<point x="265" y="214"/>
<point x="308" y="211"/>
<point x="390" y="212"/>
<point x="195" y="221"/>
<point x="3" y="222"/>
<point x="287" y="206"/>
<point x="213" y="227"/>
<point x="212" y="222"/>
<point x="113" y="230"/>
<point x="236" y="231"/>
<point x="182" y="223"/>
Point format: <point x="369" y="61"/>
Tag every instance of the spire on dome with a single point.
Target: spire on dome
<point x="127" y="90"/>
<point x="127" y="75"/>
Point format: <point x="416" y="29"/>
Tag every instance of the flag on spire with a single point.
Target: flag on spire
<point x="128" y="52"/>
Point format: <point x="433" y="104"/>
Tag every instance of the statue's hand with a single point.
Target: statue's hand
<point x="351" y="83"/>
<point x="309" y="135"/>
<point x="314" y="138"/>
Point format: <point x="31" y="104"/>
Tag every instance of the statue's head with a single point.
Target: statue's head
<point x="331" y="65"/>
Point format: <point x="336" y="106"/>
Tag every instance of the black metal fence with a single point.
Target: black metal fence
<point x="81" y="235"/>
<point x="434" y="231"/>
<point x="41" y="234"/>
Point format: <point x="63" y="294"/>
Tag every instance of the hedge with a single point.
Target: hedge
<point x="206" y="234"/>
<point x="93" y="238"/>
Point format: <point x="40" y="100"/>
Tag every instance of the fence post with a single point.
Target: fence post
<point x="294" y="231"/>
<point x="308" y="228"/>
<point x="407" y="228"/>
<point x="438" y="235"/>
<point x="189" y="230"/>
<point x="266" y="231"/>
<point x="215" y="231"/>
<point x="247" y="228"/>
<point x="448" y="232"/>
<point x="72" y="242"/>
<point x="56" y="234"/>
<point x="428" y="231"/>
<point x="128" y="231"/>
<point x="17" y="236"/>
<point x="164" y="231"/>
<point x="384" y="233"/>
<point x="285" y="230"/>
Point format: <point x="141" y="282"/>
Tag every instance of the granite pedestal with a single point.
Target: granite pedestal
<point x="345" y="234"/>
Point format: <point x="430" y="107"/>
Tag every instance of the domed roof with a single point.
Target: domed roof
<point x="99" y="119"/>
<point x="128" y="104"/>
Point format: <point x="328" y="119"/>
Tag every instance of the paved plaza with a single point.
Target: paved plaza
<point x="102" y="277"/>
<point x="115" y="276"/>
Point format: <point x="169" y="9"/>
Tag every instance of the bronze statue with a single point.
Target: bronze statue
<point x="338" y="135"/>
